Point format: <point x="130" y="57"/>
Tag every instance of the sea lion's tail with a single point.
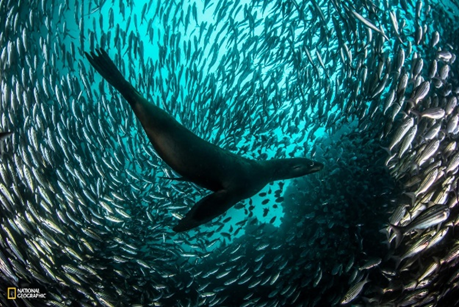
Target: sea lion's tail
<point x="108" y="70"/>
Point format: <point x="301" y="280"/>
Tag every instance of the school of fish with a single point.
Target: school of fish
<point x="367" y="88"/>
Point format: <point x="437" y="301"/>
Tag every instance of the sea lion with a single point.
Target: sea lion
<point x="232" y="178"/>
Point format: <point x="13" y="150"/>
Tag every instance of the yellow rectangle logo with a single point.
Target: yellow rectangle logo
<point x="11" y="295"/>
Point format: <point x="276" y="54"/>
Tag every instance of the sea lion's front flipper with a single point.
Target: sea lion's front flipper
<point x="207" y="209"/>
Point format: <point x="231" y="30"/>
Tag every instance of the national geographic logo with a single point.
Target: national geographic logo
<point x="11" y="294"/>
<point x="28" y="293"/>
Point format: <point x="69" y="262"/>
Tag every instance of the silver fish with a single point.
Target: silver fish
<point x="401" y="131"/>
<point x="354" y="291"/>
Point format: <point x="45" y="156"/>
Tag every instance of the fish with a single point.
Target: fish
<point x="368" y="24"/>
<point x="432" y="113"/>
<point x="400" y="133"/>
<point x="420" y="92"/>
<point x="431" y="217"/>
<point x="85" y="209"/>
<point x="413" y="250"/>
<point x="354" y="291"/>
<point x="428" y="152"/>
<point x="407" y="140"/>
<point x="453" y="163"/>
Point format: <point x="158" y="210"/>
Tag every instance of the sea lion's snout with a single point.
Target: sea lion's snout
<point x="316" y="166"/>
<point x="303" y="166"/>
<point x="292" y="168"/>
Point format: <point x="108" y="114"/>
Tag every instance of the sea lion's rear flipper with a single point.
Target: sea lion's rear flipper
<point x="108" y="70"/>
<point x="207" y="209"/>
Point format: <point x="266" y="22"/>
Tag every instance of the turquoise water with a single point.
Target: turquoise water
<point x="87" y="215"/>
<point x="156" y="32"/>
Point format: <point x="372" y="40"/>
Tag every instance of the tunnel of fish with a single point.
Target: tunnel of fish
<point x="367" y="88"/>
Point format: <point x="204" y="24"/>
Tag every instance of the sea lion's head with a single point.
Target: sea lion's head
<point x="292" y="168"/>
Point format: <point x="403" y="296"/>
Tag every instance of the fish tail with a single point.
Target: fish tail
<point x="398" y="234"/>
<point x="416" y="113"/>
<point x="411" y="195"/>
<point x="386" y="149"/>
<point x="397" y="260"/>
<point x="387" y="232"/>
<point x="108" y="70"/>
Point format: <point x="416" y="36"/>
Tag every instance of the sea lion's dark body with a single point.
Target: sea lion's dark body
<point x="193" y="158"/>
<point x="231" y="177"/>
